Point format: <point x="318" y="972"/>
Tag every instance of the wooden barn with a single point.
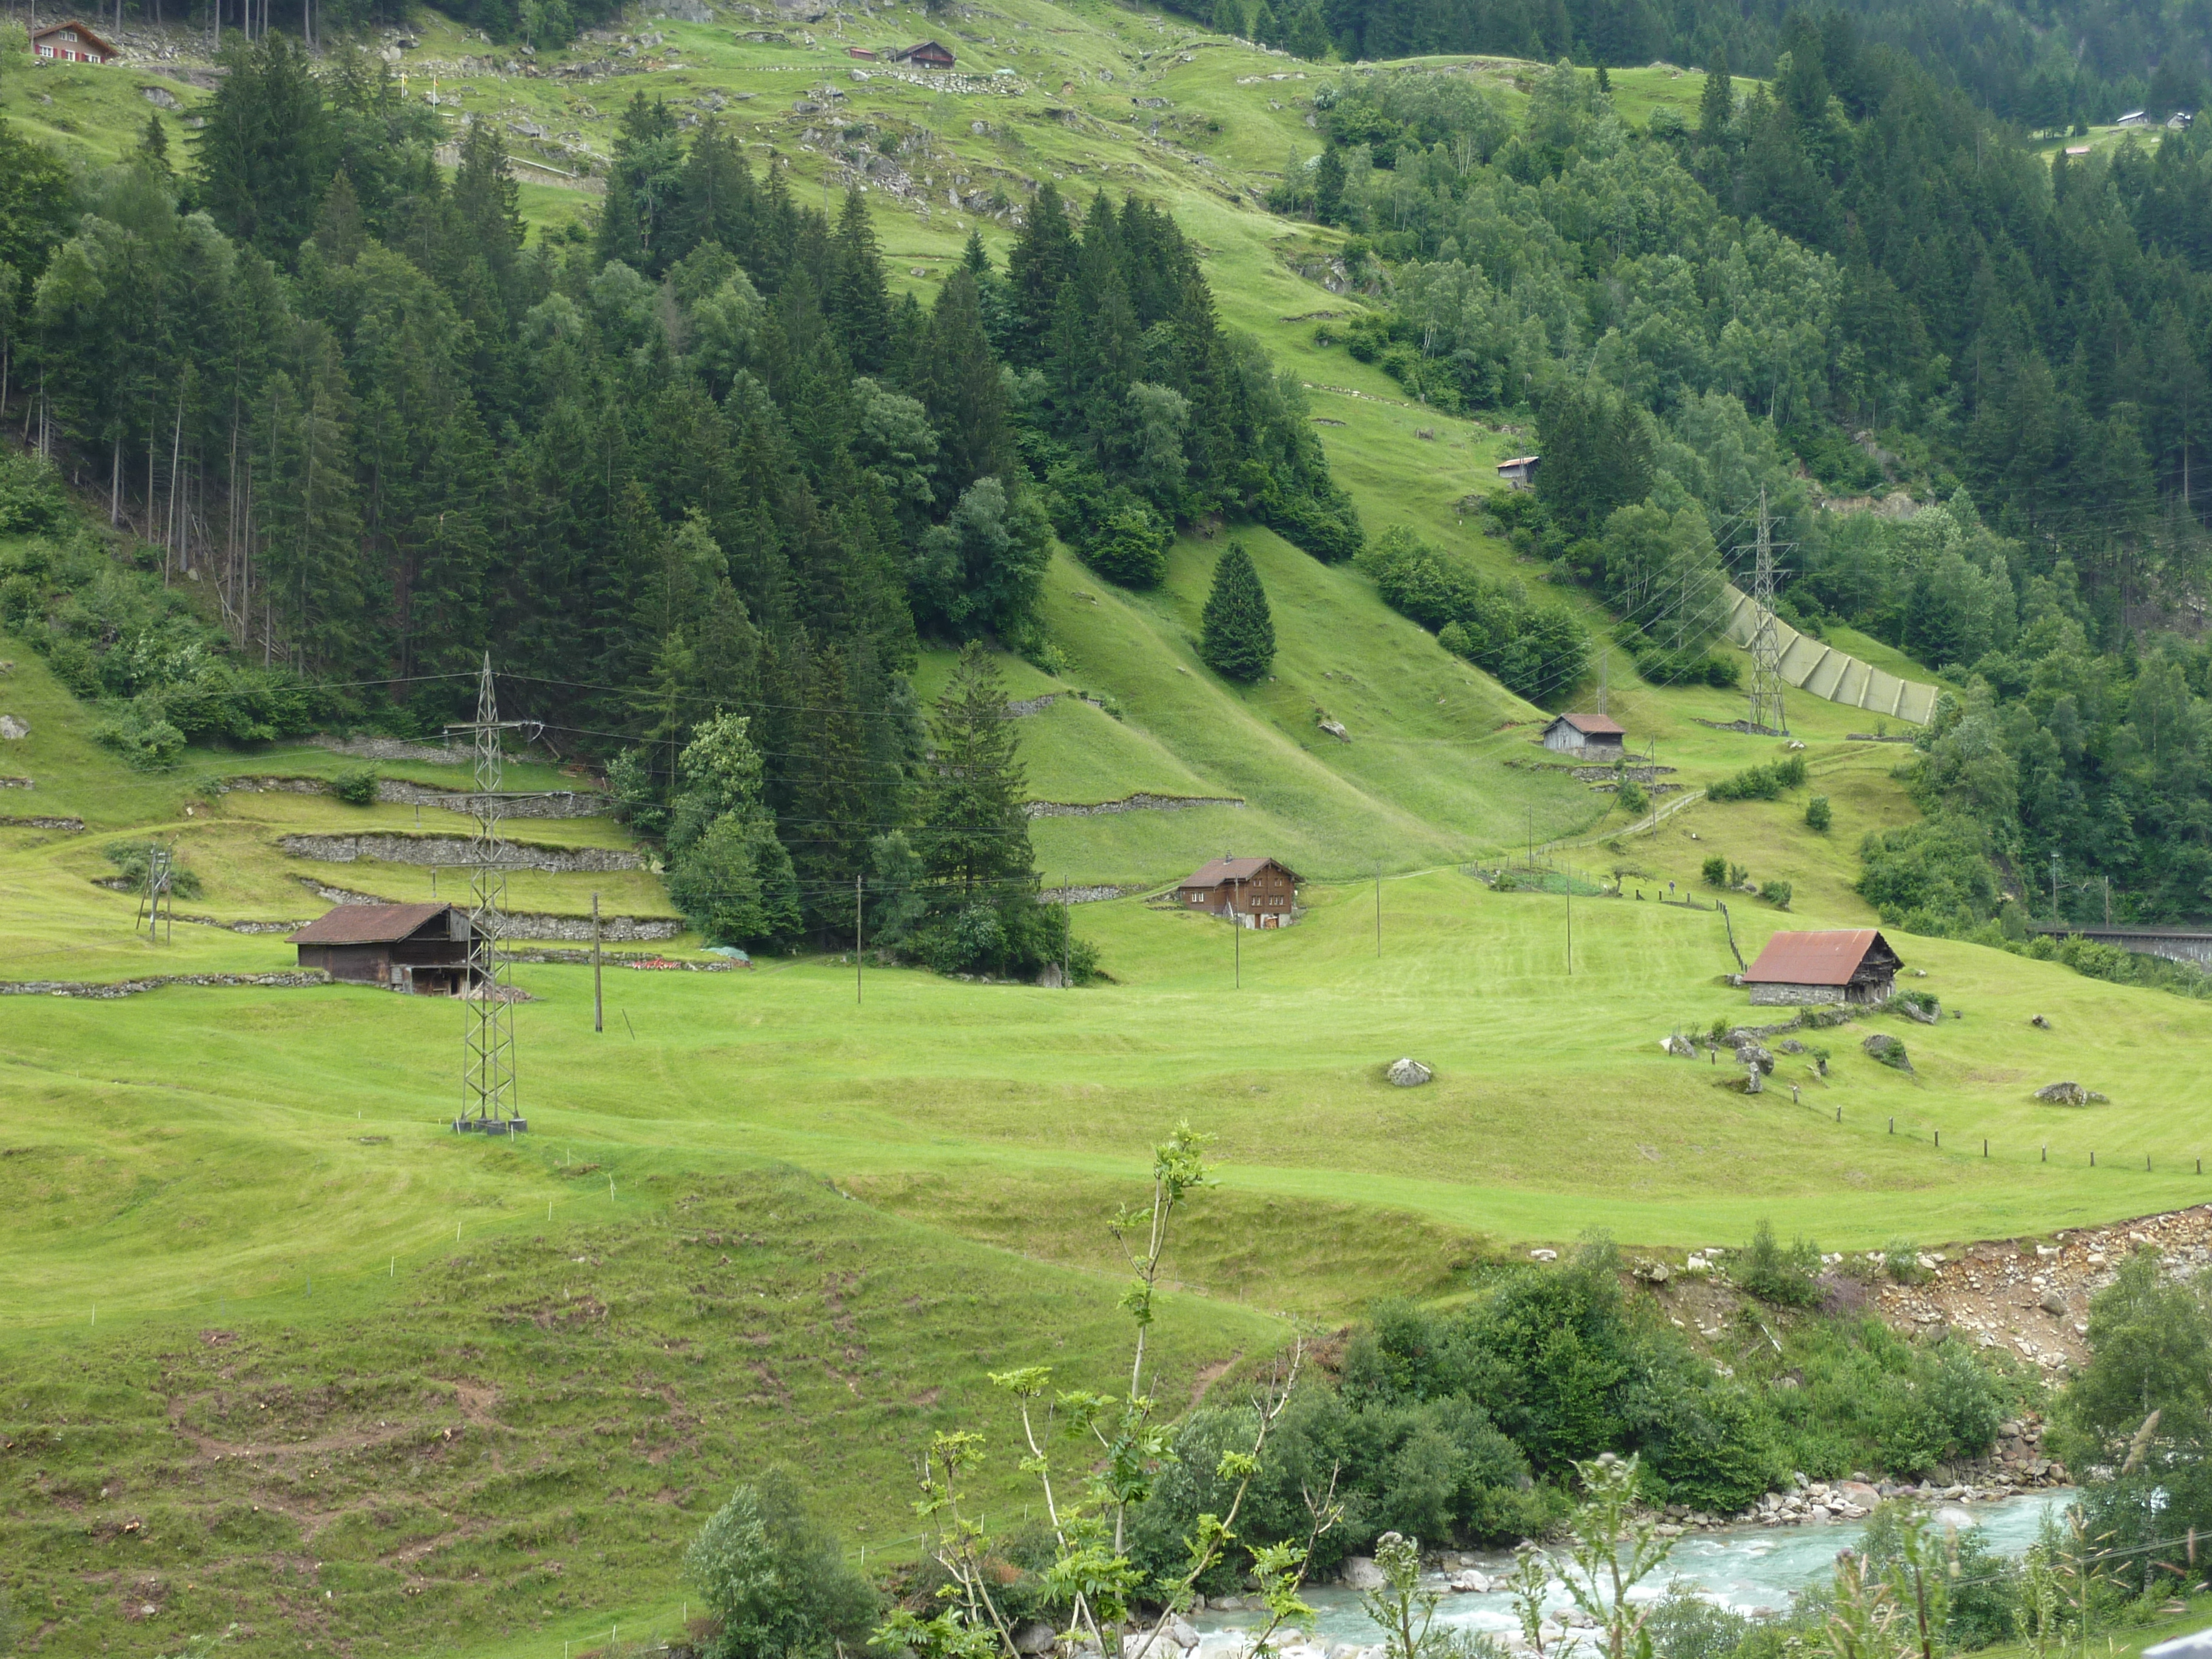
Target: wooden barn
<point x="418" y="948"/>
<point x="930" y="54"/>
<point x="1592" y="736"/>
<point x="1519" y="472"/>
<point x="1253" y="892"/>
<point x="71" y="43"/>
<point x="1842" y="964"/>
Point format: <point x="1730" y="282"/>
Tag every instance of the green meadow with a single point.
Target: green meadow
<point x="283" y="1351"/>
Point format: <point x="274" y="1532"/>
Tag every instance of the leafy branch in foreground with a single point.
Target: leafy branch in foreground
<point x="1122" y="1449"/>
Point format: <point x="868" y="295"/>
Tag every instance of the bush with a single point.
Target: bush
<point x="145" y="740"/>
<point x="1817" y="816"/>
<point x="1633" y="800"/>
<point x="1737" y="875"/>
<point x="356" y="786"/>
<point x="1777" y="894"/>
<point x="132" y="859"/>
<point x="1777" y="1274"/>
<point x="775" y="1579"/>
<point x="1716" y="871"/>
<point x="1887" y="1050"/>
<point x="1760" y="782"/>
<point x="1900" y="1260"/>
<point x="1130" y="548"/>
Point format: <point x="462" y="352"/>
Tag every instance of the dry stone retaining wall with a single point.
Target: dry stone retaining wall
<point x="449" y="851"/>
<point x="104" y="991"/>
<point x="1137" y="803"/>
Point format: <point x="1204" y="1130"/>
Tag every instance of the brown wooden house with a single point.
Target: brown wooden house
<point x="1842" y="964"/>
<point x="418" y="948"/>
<point x="1252" y="893"/>
<point x="71" y="43"/>
<point x="929" y="54"/>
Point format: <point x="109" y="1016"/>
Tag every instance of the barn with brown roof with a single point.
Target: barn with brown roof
<point x="930" y="54"/>
<point x="1842" y="964"/>
<point x="1252" y="893"/>
<point x="420" y="948"/>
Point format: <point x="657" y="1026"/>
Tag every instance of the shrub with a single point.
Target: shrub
<point x="1737" y="875"/>
<point x="1716" y="871"/>
<point x="1817" y="814"/>
<point x="1633" y="800"/>
<point x="1760" y="782"/>
<point x="775" y="1579"/>
<point x="1685" y="1625"/>
<point x="1131" y="548"/>
<point x="131" y="858"/>
<point x="1900" y="1260"/>
<point x="1777" y="894"/>
<point x="145" y="740"/>
<point x="356" y="786"/>
<point x="1775" y="1273"/>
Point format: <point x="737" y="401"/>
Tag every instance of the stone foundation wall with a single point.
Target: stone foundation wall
<point x="1795" y="996"/>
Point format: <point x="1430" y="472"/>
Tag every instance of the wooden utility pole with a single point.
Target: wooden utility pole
<point x="859" y="932"/>
<point x="599" y="999"/>
<point x="1236" y="930"/>
<point x="1378" y="909"/>
<point x="1067" y="935"/>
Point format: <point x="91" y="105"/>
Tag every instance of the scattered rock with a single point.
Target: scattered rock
<point x="1924" y="1010"/>
<point x="1033" y="1637"/>
<point x="1543" y="1256"/>
<point x="159" y="97"/>
<point x="1335" y="729"/>
<point x="12" y="729"/>
<point x="2053" y="1304"/>
<point x="1360" y="1573"/>
<point x="1679" y="1046"/>
<point x="1470" y="1583"/>
<point x="1755" y="1080"/>
<point x="1754" y="1055"/>
<point x="1651" y="1272"/>
<point x="2039" y="1021"/>
<point x="1408" y="1073"/>
<point x="1182" y="1634"/>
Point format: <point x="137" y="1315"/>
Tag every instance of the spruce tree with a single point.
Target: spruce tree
<point x="974" y="836"/>
<point x="1717" y="104"/>
<point x="1237" y="636"/>
<point x="1229" y="17"/>
<point x="1308" y="35"/>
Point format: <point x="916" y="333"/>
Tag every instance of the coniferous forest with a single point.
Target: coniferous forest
<point x="703" y="464"/>
<point x="1851" y="278"/>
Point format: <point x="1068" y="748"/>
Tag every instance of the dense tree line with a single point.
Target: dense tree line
<point x="1853" y="274"/>
<point x="699" y="479"/>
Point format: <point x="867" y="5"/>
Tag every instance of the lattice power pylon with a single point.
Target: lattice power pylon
<point x="490" y="1102"/>
<point x="1767" y="713"/>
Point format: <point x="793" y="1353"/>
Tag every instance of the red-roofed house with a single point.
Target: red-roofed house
<point x="1842" y="964"/>
<point x="422" y="948"/>
<point x="1590" y="735"/>
<point x="1252" y="893"/>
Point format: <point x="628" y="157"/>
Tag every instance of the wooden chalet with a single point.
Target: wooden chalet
<point x="1590" y="736"/>
<point x="1521" y="472"/>
<point x="420" y="948"/>
<point x="929" y="54"/>
<point x="1251" y="892"/>
<point x="1842" y="964"/>
<point x="71" y="43"/>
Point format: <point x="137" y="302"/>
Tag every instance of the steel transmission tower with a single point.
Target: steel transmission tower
<point x="489" y="1101"/>
<point x="1766" y="683"/>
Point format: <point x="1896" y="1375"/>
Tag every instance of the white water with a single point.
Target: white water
<point x="1748" y="1569"/>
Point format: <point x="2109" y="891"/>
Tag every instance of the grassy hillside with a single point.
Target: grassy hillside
<point x="361" y="1381"/>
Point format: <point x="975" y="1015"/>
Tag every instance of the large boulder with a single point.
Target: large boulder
<point x="1033" y="1637"/>
<point x="1408" y="1073"/>
<point x="1751" y="1053"/>
<point x="2067" y="1094"/>
<point x="1360" y="1573"/>
<point x="1679" y="1046"/>
<point x="1469" y="1582"/>
<point x="1889" y="1050"/>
